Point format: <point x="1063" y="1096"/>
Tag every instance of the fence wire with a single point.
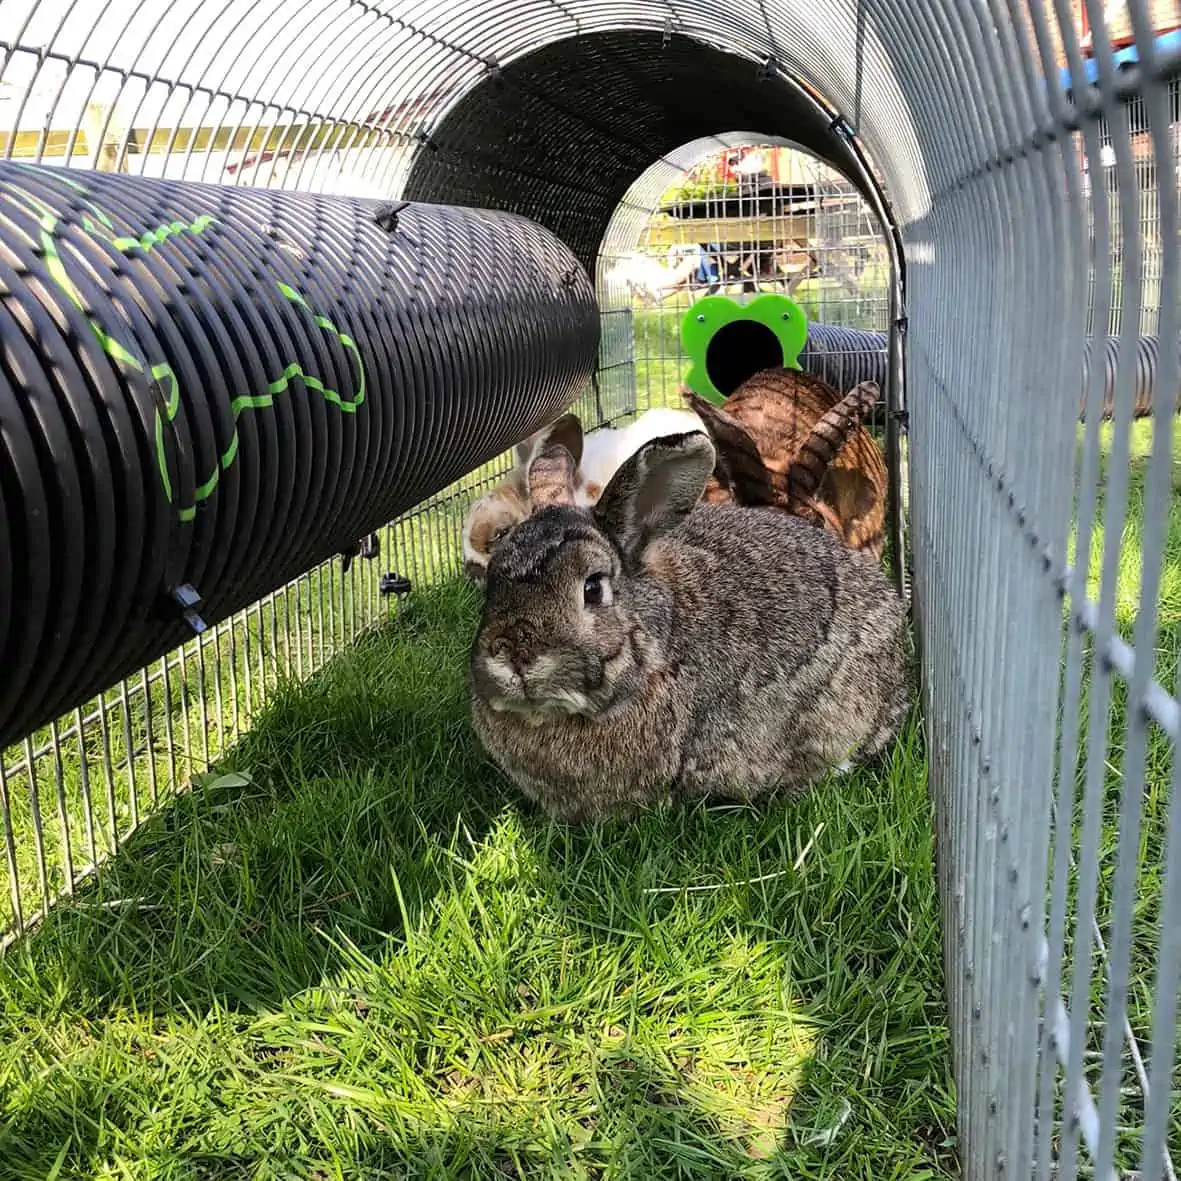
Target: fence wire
<point x="73" y="793"/>
<point x="1040" y="225"/>
<point x="809" y="234"/>
<point x="1045" y="556"/>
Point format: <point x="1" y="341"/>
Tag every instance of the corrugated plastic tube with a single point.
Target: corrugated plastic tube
<point x="218" y="388"/>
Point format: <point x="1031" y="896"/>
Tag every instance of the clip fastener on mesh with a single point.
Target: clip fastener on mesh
<point x="186" y="599"/>
<point x="393" y="583"/>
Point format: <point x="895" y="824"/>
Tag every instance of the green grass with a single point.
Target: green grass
<point x="660" y="364"/>
<point x="1131" y="550"/>
<point x="1152" y="801"/>
<point x="355" y="953"/>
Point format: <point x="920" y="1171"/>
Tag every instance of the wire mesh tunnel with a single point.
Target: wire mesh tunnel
<point x="1020" y="161"/>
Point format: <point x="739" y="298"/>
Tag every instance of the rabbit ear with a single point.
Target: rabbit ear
<point x="551" y="478"/>
<point x="830" y="434"/>
<point x="655" y="489"/>
<point x="565" y="432"/>
<point x="739" y="466"/>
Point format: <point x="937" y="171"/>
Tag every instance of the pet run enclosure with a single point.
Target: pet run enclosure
<point x="1019" y="164"/>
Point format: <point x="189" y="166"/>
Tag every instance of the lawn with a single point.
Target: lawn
<point x="1153" y="801"/>
<point x="353" y="952"/>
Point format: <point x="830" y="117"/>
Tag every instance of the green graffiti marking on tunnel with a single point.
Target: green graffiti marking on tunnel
<point x="260" y="401"/>
<point x="162" y="373"/>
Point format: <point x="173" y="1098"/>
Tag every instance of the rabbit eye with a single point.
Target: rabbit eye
<point x="595" y="591"/>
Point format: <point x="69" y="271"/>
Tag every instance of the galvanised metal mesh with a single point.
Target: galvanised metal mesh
<point x="810" y="234"/>
<point x="1013" y="513"/>
<point x="1045" y="554"/>
<point x="74" y="792"/>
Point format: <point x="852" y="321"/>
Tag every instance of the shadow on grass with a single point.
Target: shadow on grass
<point x="311" y="825"/>
<point x="365" y="958"/>
<point x="669" y="1134"/>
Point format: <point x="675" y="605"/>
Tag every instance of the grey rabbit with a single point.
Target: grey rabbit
<point x="653" y="647"/>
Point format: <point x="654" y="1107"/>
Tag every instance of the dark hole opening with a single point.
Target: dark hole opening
<point x="740" y="350"/>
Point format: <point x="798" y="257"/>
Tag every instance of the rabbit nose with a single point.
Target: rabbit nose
<point x="516" y="649"/>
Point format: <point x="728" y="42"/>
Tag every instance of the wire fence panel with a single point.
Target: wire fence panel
<point x="1045" y="555"/>
<point x="1025" y="156"/>
<point x="73" y="793"/>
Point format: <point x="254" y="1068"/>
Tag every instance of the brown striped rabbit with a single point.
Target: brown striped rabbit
<point x="652" y="647"/>
<point x="783" y="432"/>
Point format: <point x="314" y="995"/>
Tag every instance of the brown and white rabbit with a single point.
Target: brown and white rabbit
<point x="597" y="457"/>
<point x="654" y="647"/>
<point x="782" y="432"/>
<point x="497" y="511"/>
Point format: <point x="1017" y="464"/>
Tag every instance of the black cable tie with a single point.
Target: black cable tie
<point x="368" y="548"/>
<point x="393" y="583"/>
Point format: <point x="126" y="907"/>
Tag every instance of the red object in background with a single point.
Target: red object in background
<point x="1164" y="14"/>
<point x="776" y="163"/>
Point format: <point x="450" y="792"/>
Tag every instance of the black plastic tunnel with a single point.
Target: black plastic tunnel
<point x="561" y="132"/>
<point x="214" y="388"/>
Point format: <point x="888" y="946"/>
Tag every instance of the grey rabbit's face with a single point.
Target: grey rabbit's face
<point x="568" y="627"/>
<point x="555" y="633"/>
